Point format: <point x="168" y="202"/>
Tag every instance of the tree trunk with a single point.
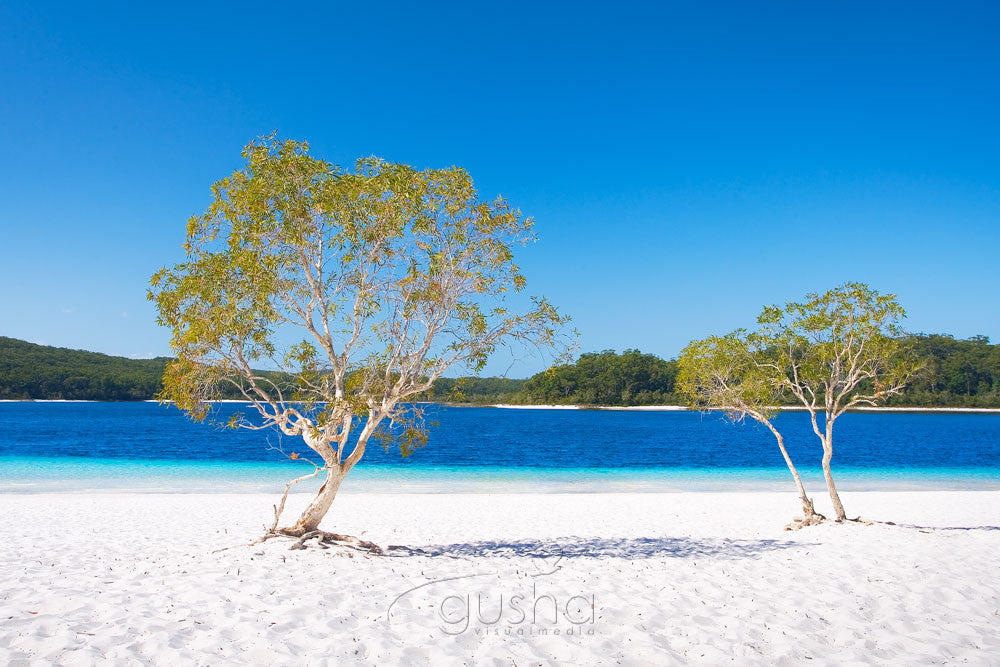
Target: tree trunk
<point x="335" y="473"/>
<point x="838" y="507"/>
<point x="320" y="505"/>
<point x="808" y="511"/>
<point x="809" y="515"/>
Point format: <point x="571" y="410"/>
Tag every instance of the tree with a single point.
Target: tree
<point x="733" y="373"/>
<point x="360" y="287"/>
<point x="836" y="351"/>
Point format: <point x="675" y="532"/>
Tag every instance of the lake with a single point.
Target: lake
<point x="152" y="447"/>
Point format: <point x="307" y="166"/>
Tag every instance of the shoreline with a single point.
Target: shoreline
<point x="682" y="408"/>
<point x="608" y="408"/>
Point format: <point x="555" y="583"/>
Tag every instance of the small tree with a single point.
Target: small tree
<point x="733" y="373"/>
<point x="360" y="288"/>
<point x="836" y="351"/>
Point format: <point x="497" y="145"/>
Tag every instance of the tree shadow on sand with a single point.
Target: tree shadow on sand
<point x="602" y="547"/>
<point x="936" y="528"/>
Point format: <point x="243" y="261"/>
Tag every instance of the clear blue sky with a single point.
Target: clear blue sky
<point x="685" y="163"/>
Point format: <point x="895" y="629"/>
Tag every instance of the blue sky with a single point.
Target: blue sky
<point x="685" y="163"/>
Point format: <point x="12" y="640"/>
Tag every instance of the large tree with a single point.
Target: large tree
<point x="356" y="288"/>
<point x="836" y="351"/>
<point x="733" y="373"/>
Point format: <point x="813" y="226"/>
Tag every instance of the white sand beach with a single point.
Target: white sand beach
<point x="685" y="578"/>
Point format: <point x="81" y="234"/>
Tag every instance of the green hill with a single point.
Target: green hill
<point x="28" y="370"/>
<point x="31" y="371"/>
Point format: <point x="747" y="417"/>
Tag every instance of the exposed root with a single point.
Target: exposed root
<point x="798" y="523"/>
<point x="857" y="519"/>
<point x="264" y="538"/>
<point x="324" y="540"/>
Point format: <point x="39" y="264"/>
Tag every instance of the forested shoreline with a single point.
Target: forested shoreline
<point x="955" y="373"/>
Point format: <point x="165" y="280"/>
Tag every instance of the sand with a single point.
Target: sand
<point x="685" y="578"/>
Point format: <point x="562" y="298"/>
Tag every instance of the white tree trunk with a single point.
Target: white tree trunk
<point x="335" y="474"/>
<point x="808" y="511"/>
<point x="838" y="507"/>
<point x="320" y="505"/>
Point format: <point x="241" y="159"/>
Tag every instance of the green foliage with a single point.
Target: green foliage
<point x="727" y="372"/>
<point x="953" y="373"/>
<point x="838" y="349"/>
<point x="476" y="390"/>
<point x="835" y="350"/>
<point x="362" y="286"/>
<point x="956" y="373"/>
<point x="29" y="371"/>
<point x="606" y="378"/>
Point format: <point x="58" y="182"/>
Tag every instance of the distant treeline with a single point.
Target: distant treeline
<point x="481" y="391"/>
<point x="28" y="370"/>
<point x="607" y="378"/>
<point x="956" y="373"/>
<point x="596" y="378"/>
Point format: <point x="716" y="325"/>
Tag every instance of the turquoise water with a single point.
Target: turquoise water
<point x="32" y="475"/>
<point x="151" y="448"/>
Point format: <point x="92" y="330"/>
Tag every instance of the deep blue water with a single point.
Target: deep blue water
<point x="53" y="446"/>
